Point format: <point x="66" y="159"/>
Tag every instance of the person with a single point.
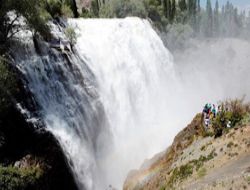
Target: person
<point x="219" y="109"/>
<point x="207" y="121"/>
<point x="205" y="114"/>
<point x="209" y="109"/>
<point x="214" y="111"/>
<point x="205" y="109"/>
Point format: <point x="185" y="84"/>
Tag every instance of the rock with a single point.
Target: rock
<point x="24" y="146"/>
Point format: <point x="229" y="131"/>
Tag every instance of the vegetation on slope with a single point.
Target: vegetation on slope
<point x="194" y="148"/>
<point x="183" y="172"/>
<point x="235" y="112"/>
<point x="19" y="178"/>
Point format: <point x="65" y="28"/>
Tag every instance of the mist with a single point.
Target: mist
<point x="216" y="67"/>
<point x="203" y="71"/>
<point x="206" y="71"/>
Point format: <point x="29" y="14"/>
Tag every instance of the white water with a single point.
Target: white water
<point x="133" y="70"/>
<point x="118" y="99"/>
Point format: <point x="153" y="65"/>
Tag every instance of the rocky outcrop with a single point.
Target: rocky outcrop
<point x="197" y="160"/>
<point x="30" y="156"/>
<point x="138" y="179"/>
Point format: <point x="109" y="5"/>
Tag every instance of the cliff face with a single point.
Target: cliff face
<point x="196" y="160"/>
<point x="30" y="157"/>
<point x="148" y="176"/>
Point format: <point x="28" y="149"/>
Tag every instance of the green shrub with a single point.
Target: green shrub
<point x="181" y="173"/>
<point x="53" y="7"/>
<point x="248" y="179"/>
<point x="246" y="119"/>
<point x="57" y="8"/>
<point x="71" y="35"/>
<point x="230" y="144"/>
<point x="208" y="134"/>
<point x="202" y="172"/>
<point x="185" y="171"/>
<point x="66" y="11"/>
<point x="123" y="8"/>
<point x="163" y="187"/>
<point x="32" y="10"/>
<point x="232" y="110"/>
<point x="95" y="8"/>
<point x="18" y="178"/>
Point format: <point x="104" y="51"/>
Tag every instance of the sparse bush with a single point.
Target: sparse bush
<point x="66" y="11"/>
<point x="233" y="113"/>
<point x="181" y="173"/>
<point x="203" y="148"/>
<point x="163" y="187"/>
<point x="202" y="172"/>
<point x="57" y="8"/>
<point x="185" y="171"/>
<point x="232" y="110"/>
<point x="208" y="134"/>
<point x="121" y="9"/>
<point x="86" y="13"/>
<point x="246" y="119"/>
<point x="71" y="35"/>
<point x="230" y="144"/>
<point x="95" y="8"/>
<point x="19" y="178"/>
<point x="248" y="179"/>
<point x="200" y="162"/>
<point x="53" y="7"/>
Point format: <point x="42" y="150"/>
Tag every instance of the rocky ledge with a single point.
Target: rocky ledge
<point x="200" y="159"/>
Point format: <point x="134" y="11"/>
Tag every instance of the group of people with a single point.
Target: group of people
<point x="209" y="112"/>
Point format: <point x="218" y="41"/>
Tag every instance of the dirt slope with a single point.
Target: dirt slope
<point x="194" y="161"/>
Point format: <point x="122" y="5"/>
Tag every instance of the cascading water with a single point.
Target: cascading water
<point x="100" y="98"/>
<point x="65" y="89"/>
<point x="133" y="70"/>
<point x="116" y="99"/>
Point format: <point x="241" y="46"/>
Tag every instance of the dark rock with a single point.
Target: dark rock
<point x="23" y="145"/>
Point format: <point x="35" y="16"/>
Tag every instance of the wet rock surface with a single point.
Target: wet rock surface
<point x="30" y="156"/>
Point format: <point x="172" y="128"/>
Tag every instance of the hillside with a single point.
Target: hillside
<point x="198" y="160"/>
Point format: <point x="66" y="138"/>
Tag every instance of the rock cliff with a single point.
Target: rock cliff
<point x="30" y="156"/>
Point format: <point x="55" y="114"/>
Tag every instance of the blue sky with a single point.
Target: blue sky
<point x="243" y="4"/>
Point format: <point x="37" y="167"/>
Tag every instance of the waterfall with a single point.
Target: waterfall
<point x="117" y="98"/>
<point x="133" y="70"/>
<point x="105" y="100"/>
